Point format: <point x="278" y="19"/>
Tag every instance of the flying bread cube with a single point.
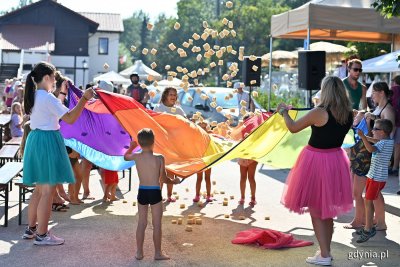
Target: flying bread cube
<point x="150" y="78"/>
<point x="134" y="203"/>
<point x="255" y="68"/>
<point x="226" y="216"/>
<point x="187" y="189"/>
<point x="196" y="36"/>
<point x="242" y="217"/>
<point x="212" y="64"/>
<point x="243" y="103"/>
<point x="229" y="48"/>
<point x="241" y="48"/>
<point x="185" y="44"/>
<point x="180" y="221"/>
<point x="232" y="110"/>
<point x="225" y="203"/>
<point x="190" y="221"/>
<point x="214" y="124"/>
<point x="179" y="69"/>
<point x="233" y="33"/>
<point x="222" y="34"/>
<point x="177" y="197"/>
<point x="232" y="197"/>
<point x="254" y="93"/>
<point x="252" y="57"/>
<point x="167" y="67"/>
<point x="228" y="84"/>
<point x="199" y="72"/>
<point x="193" y="74"/>
<point x="133" y="48"/>
<point x="214" y="34"/>
<point x="150" y="26"/>
<point x="145" y="51"/>
<point x="185" y="70"/>
<point x="182" y="206"/>
<point x="226" y="32"/>
<point x="219" y="54"/>
<point x="267" y="218"/>
<point x="204" y="96"/>
<point x="243" y="111"/>
<point x="205" y="24"/>
<point x="196" y="81"/>
<point x="229" y="4"/>
<point x="199" y="221"/>
<point x="208" y="128"/>
<point x="204" y="36"/>
<point x="241" y="57"/>
<point x="253" y="82"/>
<point x="195" y="116"/>
<point x="153" y="65"/>
<point x="153" y="51"/>
<point x="233" y="73"/>
<point x="106" y="66"/>
<point x="219" y="109"/>
<point x="190" y="99"/>
<point x="152" y="93"/>
<point x="190" y="216"/>
<point x="172" y="46"/>
<point x="230" y="95"/>
<point x="198" y="57"/>
<point x="222" y="192"/>
<point x="233" y="52"/>
<point x="225" y="199"/>
<point x="143" y="85"/>
<point x="124" y="201"/>
<point x="180" y="50"/>
<point x="242" y="85"/>
<point x="230" y="24"/>
<point x="188" y="228"/>
<point x="177" y="26"/>
<point x="225" y="77"/>
<point x="190" y="41"/>
<point x="183" y="54"/>
<point x="220" y="62"/>
<point x="206" y="46"/>
<point x="206" y="70"/>
<point x="225" y="21"/>
<point x="213" y="104"/>
<point x="213" y="91"/>
<point x="173" y="221"/>
<point x="227" y="98"/>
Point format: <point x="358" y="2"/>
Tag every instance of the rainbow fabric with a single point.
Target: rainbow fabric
<point x="96" y="135"/>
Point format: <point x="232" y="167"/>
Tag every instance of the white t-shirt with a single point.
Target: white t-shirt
<point x="163" y="108"/>
<point x="47" y="111"/>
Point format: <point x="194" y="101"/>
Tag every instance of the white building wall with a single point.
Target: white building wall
<point x="70" y="66"/>
<point x="97" y="61"/>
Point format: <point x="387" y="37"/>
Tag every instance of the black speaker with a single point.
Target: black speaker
<point x="311" y="69"/>
<point x="251" y="71"/>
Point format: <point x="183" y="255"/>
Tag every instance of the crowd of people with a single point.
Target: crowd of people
<point x="321" y="181"/>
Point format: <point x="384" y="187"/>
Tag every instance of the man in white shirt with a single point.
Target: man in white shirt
<point x="242" y="95"/>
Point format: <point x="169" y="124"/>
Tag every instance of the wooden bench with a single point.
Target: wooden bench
<point x="7" y="173"/>
<point x="15" y="141"/>
<point x="23" y="190"/>
<point x="8" y="153"/>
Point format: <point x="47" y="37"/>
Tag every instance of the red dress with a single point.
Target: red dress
<point x="110" y="177"/>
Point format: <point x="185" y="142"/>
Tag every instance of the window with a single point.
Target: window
<point x="103" y="46"/>
<point x="185" y="101"/>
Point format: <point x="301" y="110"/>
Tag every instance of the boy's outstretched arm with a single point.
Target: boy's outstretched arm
<point x="128" y="154"/>
<point x="163" y="174"/>
<point x="367" y="144"/>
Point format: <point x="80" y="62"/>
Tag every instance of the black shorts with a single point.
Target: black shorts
<point x="149" y="196"/>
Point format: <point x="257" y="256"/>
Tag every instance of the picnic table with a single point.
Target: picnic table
<point x="4" y="120"/>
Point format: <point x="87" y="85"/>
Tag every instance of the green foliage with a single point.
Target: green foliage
<point x="388" y="8"/>
<point x="369" y="50"/>
<point x="296" y="101"/>
<point x="124" y="51"/>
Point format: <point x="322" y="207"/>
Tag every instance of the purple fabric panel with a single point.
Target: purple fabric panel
<point x="99" y="131"/>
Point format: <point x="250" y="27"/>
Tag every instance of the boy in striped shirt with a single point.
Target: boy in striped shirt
<point x="378" y="172"/>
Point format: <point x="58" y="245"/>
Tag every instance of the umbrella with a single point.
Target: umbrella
<point x="280" y="57"/>
<point x="142" y="70"/>
<point x="112" y="76"/>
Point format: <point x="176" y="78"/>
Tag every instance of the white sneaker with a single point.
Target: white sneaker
<point x="319" y="260"/>
<point x="48" y="240"/>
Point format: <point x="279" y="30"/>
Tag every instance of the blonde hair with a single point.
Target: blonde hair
<point x="13" y="109"/>
<point x="334" y="97"/>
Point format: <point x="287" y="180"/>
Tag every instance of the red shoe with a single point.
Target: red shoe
<point x="196" y="199"/>
<point x="209" y="199"/>
<point x="171" y="199"/>
<point x="241" y="201"/>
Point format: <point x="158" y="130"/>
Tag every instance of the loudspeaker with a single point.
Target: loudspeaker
<point x="251" y="71"/>
<point x="311" y="69"/>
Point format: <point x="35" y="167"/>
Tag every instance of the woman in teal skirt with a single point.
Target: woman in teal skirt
<point x="46" y="162"/>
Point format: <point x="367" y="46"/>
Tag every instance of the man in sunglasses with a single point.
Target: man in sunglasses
<point x="357" y="91"/>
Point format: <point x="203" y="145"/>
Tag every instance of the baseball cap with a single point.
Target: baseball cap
<point x="17" y="83"/>
<point x="106" y="85"/>
<point x="236" y="85"/>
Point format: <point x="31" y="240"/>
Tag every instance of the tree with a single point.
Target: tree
<point x="388" y="8"/>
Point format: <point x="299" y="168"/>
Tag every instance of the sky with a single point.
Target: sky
<point x="124" y="7"/>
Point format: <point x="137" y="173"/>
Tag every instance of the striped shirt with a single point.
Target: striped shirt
<point x="380" y="160"/>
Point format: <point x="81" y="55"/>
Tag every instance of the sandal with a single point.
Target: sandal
<point x="209" y="199"/>
<point x="58" y="207"/>
<point x="196" y="199"/>
<point x="241" y="201"/>
<point x="253" y="202"/>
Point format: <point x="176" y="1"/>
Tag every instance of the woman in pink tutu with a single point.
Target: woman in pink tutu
<point x="319" y="182"/>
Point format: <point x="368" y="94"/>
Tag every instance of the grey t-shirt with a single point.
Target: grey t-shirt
<point x="163" y="108"/>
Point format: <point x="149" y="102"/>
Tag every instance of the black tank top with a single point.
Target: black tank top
<point x="330" y="135"/>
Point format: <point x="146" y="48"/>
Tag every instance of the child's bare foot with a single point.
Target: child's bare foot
<point x="139" y="255"/>
<point x="161" y="256"/>
<point x="75" y="202"/>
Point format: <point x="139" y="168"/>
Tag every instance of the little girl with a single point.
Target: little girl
<point x="247" y="171"/>
<point x="207" y="174"/>
<point x="17" y="120"/>
<point x="46" y="161"/>
<point x="110" y="185"/>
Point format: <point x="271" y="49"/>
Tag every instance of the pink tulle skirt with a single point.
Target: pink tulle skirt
<point x="319" y="183"/>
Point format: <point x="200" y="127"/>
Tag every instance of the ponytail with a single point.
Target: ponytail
<point x="34" y="77"/>
<point x="29" y="96"/>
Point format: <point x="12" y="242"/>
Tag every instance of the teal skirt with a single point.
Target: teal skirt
<point x="46" y="160"/>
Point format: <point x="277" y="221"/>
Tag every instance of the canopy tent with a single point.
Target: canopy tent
<point x="174" y="83"/>
<point x="142" y="70"/>
<point x="384" y="63"/>
<point x="335" y="20"/>
<point x="112" y="76"/>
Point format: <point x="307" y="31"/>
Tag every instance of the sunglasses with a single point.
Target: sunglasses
<point x="376" y="129"/>
<point x="357" y="69"/>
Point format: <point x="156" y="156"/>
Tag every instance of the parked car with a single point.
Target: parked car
<point x="192" y="102"/>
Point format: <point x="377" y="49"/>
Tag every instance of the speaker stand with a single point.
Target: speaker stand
<point x="250" y="90"/>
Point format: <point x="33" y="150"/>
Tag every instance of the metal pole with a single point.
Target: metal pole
<point x="391" y="51"/>
<point x="270" y="73"/>
<point x="308" y="92"/>
<point x="217" y="42"/>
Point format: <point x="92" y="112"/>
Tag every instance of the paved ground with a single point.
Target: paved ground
<point x="99" y="234"/>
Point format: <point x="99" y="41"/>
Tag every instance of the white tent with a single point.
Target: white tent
<point x="112" y="76"/>
<point x="384" y="63"/>
<point x="142" y="70"/>
<point x="335" y="20"/>
<point x="174" y="83"/>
